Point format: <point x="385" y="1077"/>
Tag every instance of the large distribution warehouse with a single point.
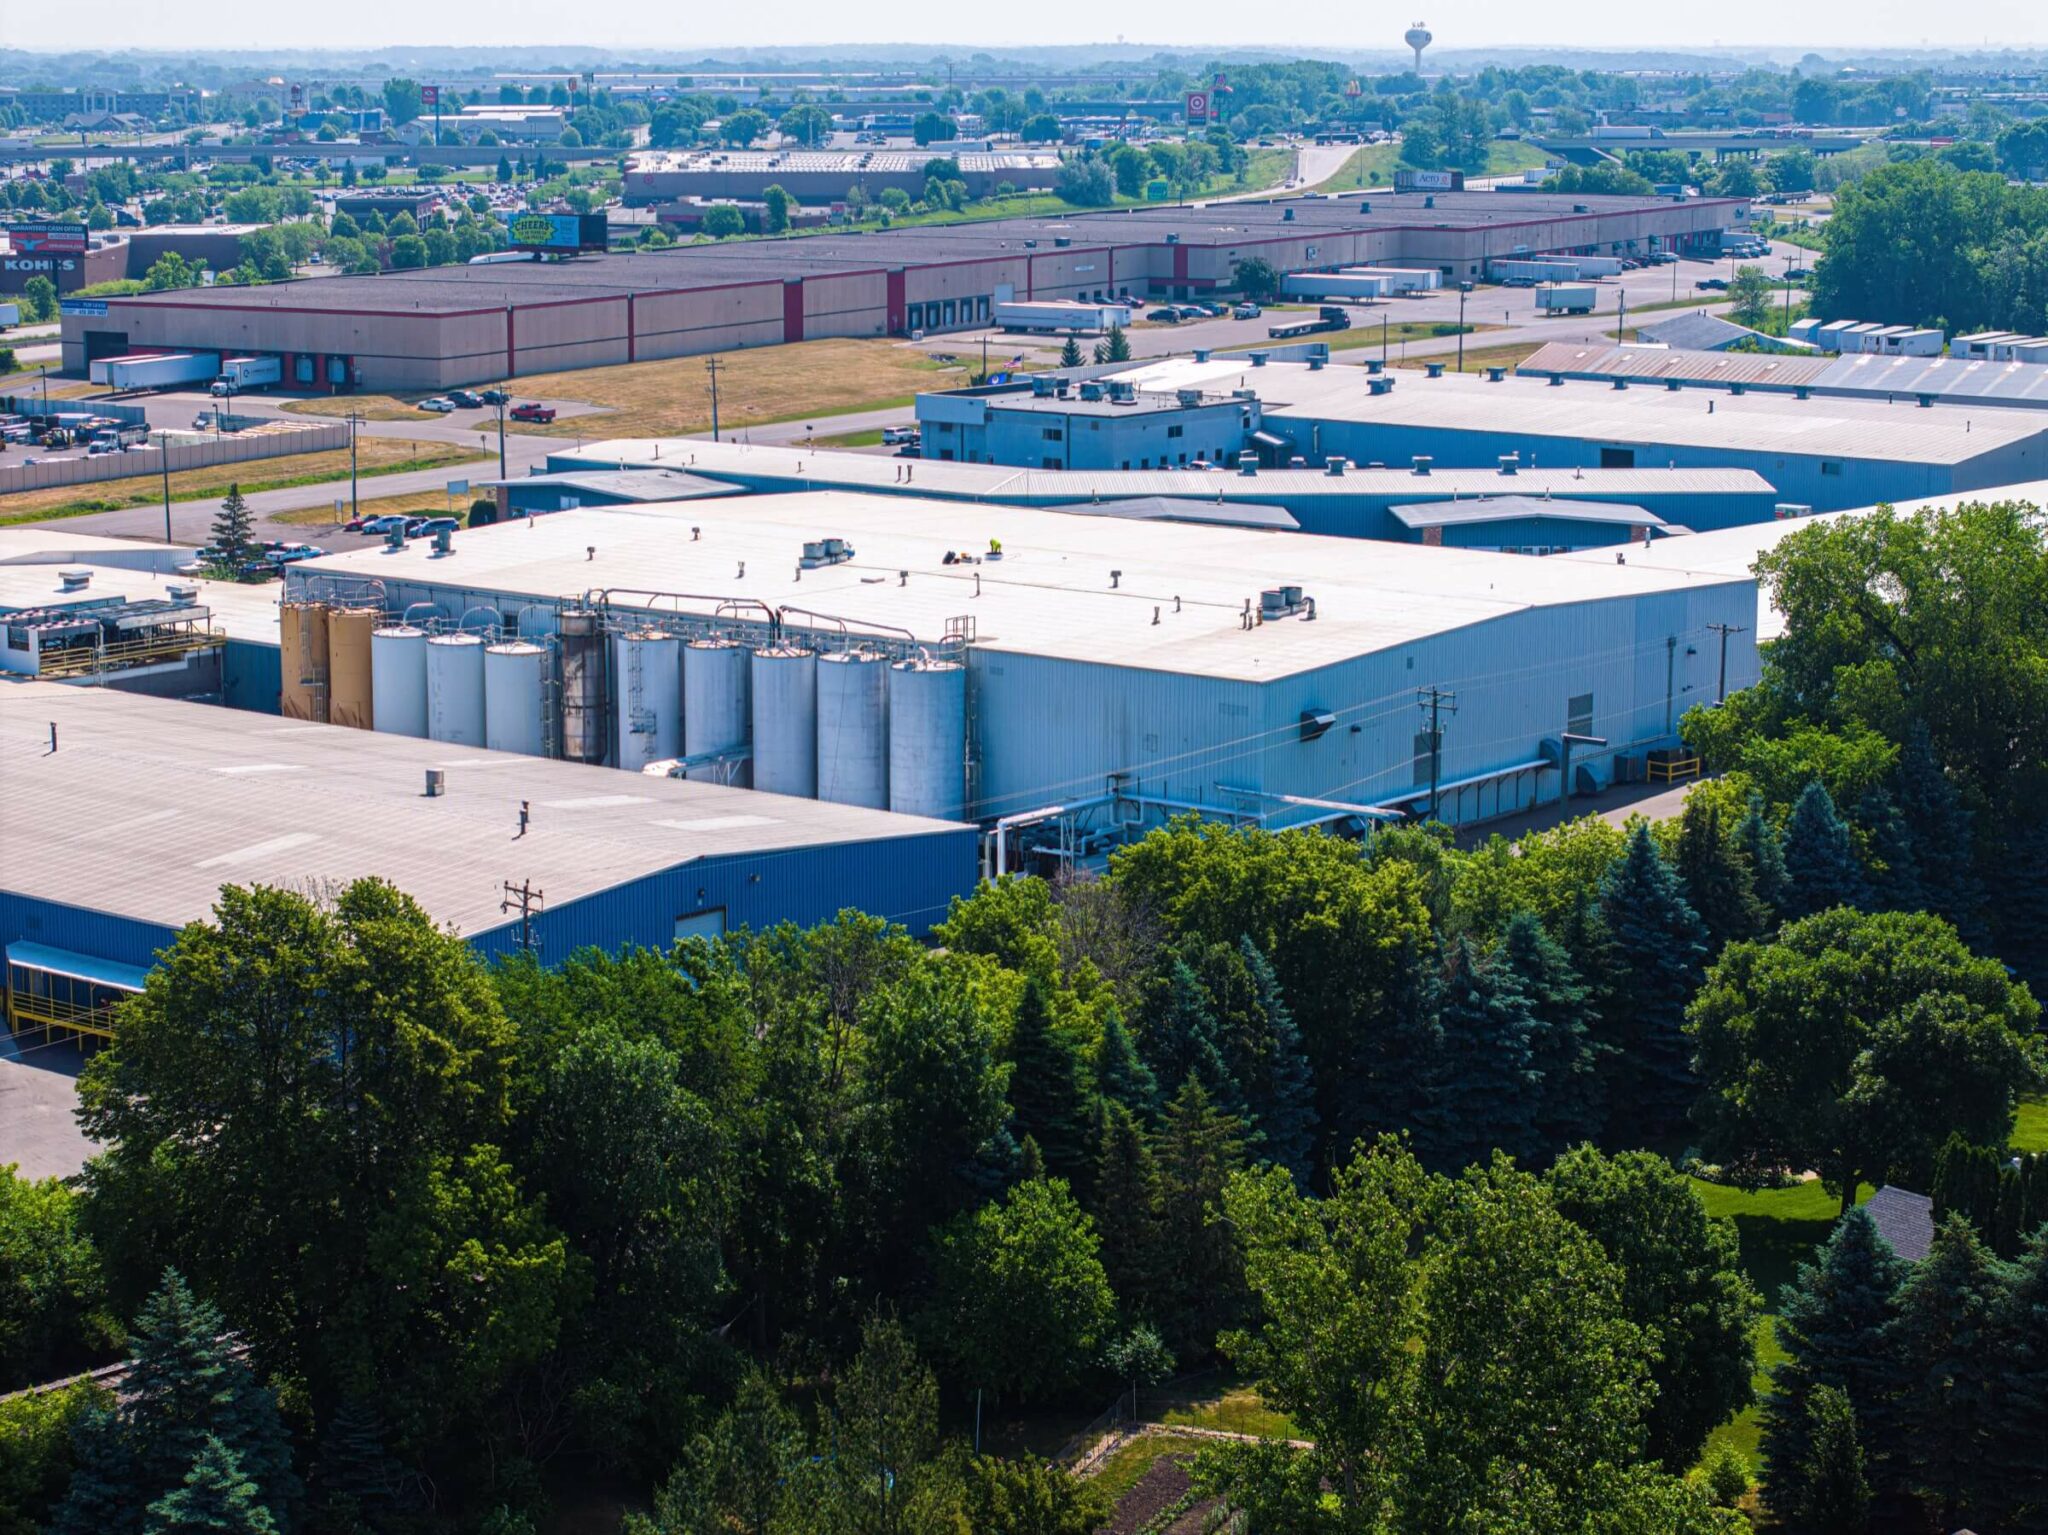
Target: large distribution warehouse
<point x="1085" y="675"/>
<point x="129" y="828"/>
<point x="454" y="325"/>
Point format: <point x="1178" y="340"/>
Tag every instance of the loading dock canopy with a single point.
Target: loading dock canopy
<point x="76" y="967"/>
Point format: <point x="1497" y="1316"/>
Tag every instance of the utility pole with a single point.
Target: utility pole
<point x="527" y="901"/>
<point x="355" y="506"/>
<point x="164" y="463"/>
<point x="1724" y="630"/>
<point x="1464" y="289"/>
<point x="1437" y="701"/>
<point x="501" y="433"/>
<point x="1621" y="318"/>
<point x="711" y="366"/>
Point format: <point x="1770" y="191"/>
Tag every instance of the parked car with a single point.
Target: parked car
<point x="533" y="410"/>
<point x="293" y="553"/>
<point x="415" y="526"/>
<point x="1798" y="273"/>
<point x="1246" y="311"/>
<point x="435" y="525"/>
<point x="468" y="399"/>
<point x="379" y="526"/>
<point x="1167" y="316"/>
<point x="891" y="435"/>
<point x="493" y="396"/>
<point x="1712" y="285"/>
<point x="440" y="405"/>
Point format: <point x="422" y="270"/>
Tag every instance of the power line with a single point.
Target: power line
<point x="1724" y="630"/>
<point x="1436" y="700"/>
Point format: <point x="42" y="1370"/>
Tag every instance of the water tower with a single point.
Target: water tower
<point x="1418" y="37"/>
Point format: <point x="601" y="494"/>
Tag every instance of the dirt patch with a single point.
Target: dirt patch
<point x="1159" y="1489"/>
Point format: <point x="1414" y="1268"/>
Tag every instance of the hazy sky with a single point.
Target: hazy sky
<point x="1826" y="24"/>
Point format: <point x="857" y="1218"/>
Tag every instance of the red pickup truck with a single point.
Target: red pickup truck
<point x="532" y="411"/>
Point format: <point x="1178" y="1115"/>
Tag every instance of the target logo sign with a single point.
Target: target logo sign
<point x="1198" y="106"/>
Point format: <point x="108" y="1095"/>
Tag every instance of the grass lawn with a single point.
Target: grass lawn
<point x="432" y="503"/>
<point x="672" y="397"/>
<point x="871" y="439"/>
<point x="1120" y="1473"/>
<point x="1374" y="165"/>
<point x="2030" y="1133"/>
<point x="1477" y="358"/>
<point x="1369" y="334"/>
<point x="374" y="456"/>
<point x="1236" y="1408"/>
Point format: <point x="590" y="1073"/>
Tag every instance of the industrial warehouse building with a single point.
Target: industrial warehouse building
<point x="824" y="175"/>
<point x="1935" y="380"/>
<point x="1819" y="453"/>
<point x="1068" y="679"/>
<point x="447" y="326"/>
<point x="127" y="831"/>
<point x="1340" y="501"/>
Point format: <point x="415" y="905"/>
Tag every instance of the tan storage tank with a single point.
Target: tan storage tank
<point x="350" y="697"/>
<point x="302" y="663"/>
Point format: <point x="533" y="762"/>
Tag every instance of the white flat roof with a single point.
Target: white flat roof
<point x="153" y="804"/>
<point x="241" y="611"/>
<point x="1052" y="593"/>
<point x="1592" y="411"/>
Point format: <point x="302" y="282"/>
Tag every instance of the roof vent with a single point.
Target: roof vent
<point x="1315" y="364"/>
<point x="1621" y="383"/>
<point x="1557" y="381"/>
<point x="1031" y="245"/>
<point x="1421" y="463"/>
<point x="1365" y="207"/>
<point x="1375" y="365"/>
<point x="1381" y="385"/>
<point x="1201" y="354"/>
<point x="180" y="591"/>
<point x="1429" y="202"/>
<point x="1247" y="463"/>
<point x="73" y="580"/>
<point x="1337" y="466"/>
<point x="1062" y="241"/>
<point x="1926" y="401"/>
<point x="1802" y="393"/>
<point x="1258" y="358"/>
<point x="1287" y="215"/>
<point x="1673" y="385"/>
<point x="1173" y="239"/>
<point x="1495" y="375"/>
<point x="1510" y="463"/>
<point x="1316" y="723"/>
<point x="1580" y="208"/>
<point x="1434" y="369"/>
<point x="1736" y="388"/>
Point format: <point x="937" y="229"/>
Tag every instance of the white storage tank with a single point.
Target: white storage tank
<point x="398" y="680"/>
<point x="853" y="729"/>
<point x="928" y="738"/>
<point x="515" y="697"/>
<point x="715" y="713"/>
<point x="455" y="689"/>
<point x="786" y="721"/>
<point x="647" y="681"/>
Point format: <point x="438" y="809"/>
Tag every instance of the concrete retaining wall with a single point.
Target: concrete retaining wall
<point x="195" y="455"/>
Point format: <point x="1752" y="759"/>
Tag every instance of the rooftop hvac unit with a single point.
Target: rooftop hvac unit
<point x="178" y="591"/>
<point x="1247" y="463"/>
<point x="1091" y="390"/>
<point x="1379" y="386"/>
<point x="1510" y="463"/>
<point x="1189" y="398"/>
<point x="1421" y="462"/>
<point x="1792" y="509"/>
<point x="74" y="580"/>
<point x="1258" y="358"/>
<point x="825" y="551"/>
<point x="1061" y="242"/>
<point x="1433" y="369"/>
<point x="1284" y="602"/>
<point x="1495" y="375"/>
<point x="1337" y="466"/>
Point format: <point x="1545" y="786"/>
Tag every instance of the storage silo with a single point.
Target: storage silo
<point x="715" y="706"/>
<point x="786" y="721"/>
<point x="584" y="731"/>
<point x="853" y="729"/>
<point x="515" y="697"/>
<point x="455" y="689"/>
<point x="647" y="677"/>
<point x="351" y="692"/>
<point x="928" y="738"/>
<point x="302" y="660"/>
<point x="398" y="680"/>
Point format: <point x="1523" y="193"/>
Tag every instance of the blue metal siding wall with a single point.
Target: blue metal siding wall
<point x="252" y="676"/>
<point x="910" y="880"/>
<point x="1522" y="532"/>
<point x="28" y="919"/>
<point x="1797" y="476"/>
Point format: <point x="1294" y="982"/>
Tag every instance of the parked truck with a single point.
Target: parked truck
<point x="1566" y="297"/>
<point x="156" y="370"/>
<point x="240" y="373"/>
<point x="1329" y="317"/>
<point x="1058" y="315"/>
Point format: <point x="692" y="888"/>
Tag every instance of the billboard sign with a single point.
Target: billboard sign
<point x="1429" y="181"/>
<point x="47" y="239"/>
<point x="1198" y="106"/>
<point x="556" y="231"/>
<point x="430" y="97"/>
<point x="85" y="308"/>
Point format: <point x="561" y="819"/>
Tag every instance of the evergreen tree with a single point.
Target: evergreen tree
<point x="1820" y="862"/>
<point x="356" y="1479"/>
<point x="1966" y="1182"/>
<point x="1126" y="1213"/>
<point x="1114" y="347"/>
<point x="1832" y="1325"/>
<point x="1284" y="1105"/>
<point x="104" y="1497"/>
<point x="2013" y="1490"/>
<point x="504" y="170"/>
<point x="1183" y="1037"/>
<point x="1484" y="1083"/>
<point x="1944" y="853"/>
<point x="1121" y="1075"/>
<point x="1030" y="1161"/>
<point x="1562" y="1051"/>
<point x="2018" y="902"/>
<point x="1070" y="354"/>
<point x="1717" y="877"/>
<point x="1892" y="867"/>
<point x="233" y="528"/>
<point x="1657" y="947"/>
<point x="1199" y="1147"/>
<point x="1047" y="1097"/>
<point x="1835" y="1494"/>
<point x="215" y="1498"/>
<point x="1757" y="840"/>
<point x="1940" y="1345"/>
<point x="188" y="1385"/>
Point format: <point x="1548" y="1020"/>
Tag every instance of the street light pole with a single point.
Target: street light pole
<point x="164" y="449"/>
<point x="355" y="506"/>
<point x="1464" y="290"/>
<point x="501" y="435"/>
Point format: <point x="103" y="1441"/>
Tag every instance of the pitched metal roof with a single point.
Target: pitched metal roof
<point x="1890" y="380"/>
<point x="1904" y="1219"/>
<point x="1447" y="514"/>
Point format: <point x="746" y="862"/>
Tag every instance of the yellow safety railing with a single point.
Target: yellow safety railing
<point x="83" y="662"/>
<point x="27" y="1010"/>
<point x="1671" y="769"/>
